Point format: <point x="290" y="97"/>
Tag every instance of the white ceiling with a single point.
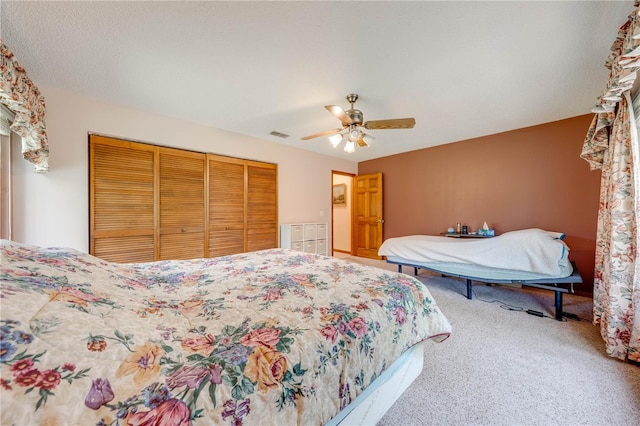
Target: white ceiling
<point x="462" y="69"/>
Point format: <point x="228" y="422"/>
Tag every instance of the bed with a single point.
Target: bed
<point x="269" y="337"/>
<point x="528" y="257"/>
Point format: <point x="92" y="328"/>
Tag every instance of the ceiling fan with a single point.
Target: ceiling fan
<point x="353" y="126"/>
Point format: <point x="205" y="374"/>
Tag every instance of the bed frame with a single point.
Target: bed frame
<point x="373" y="403"/>
<point x="557" y="285"/>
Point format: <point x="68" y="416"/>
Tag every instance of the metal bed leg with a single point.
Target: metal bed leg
<point x="559" y="313"/>
<point x="469" y="293"/>
<point x="415" y="269"/>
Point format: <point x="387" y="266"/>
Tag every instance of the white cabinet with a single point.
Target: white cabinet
<point x="306" y="237"/>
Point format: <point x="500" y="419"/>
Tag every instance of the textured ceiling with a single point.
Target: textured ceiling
<point x="462" y="69"/>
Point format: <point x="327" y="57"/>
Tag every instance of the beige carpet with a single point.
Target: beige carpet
<point x="506" y="367"/>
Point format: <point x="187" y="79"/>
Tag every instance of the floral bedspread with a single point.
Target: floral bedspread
<point x="273" y="337"/>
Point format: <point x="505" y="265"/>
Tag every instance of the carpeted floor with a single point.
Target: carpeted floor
<point x="502" y="366"/>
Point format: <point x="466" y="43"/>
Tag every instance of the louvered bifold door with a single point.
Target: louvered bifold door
<point x="121" y="208"/>
<point x="226" y="205"/>
<point x="262" y="206"/>
<point x="182" y="204"/>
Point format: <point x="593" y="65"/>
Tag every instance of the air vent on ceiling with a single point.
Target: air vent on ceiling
<point x="278" y="134"/>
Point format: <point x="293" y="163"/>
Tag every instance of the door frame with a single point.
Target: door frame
<point x="349" y="206"/>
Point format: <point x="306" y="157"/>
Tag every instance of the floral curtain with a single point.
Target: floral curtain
<point x="612" y="146"/>
<point x="21" y="96"/>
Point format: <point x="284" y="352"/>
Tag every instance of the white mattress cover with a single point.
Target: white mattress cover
<point x="372" y="404"/>
<point x="526" y="254"/>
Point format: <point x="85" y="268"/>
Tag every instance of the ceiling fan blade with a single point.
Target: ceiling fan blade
<point x="394" y="123"/>
<point x="362" y="142"/>
<point x="339" y="112"/>
<point x="325" y="133"/>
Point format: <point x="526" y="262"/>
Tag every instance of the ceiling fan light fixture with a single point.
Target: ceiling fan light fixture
<point x="350" y="147"/>
<point x="368" y="139"/>
<point x="354" y="135"/>
<point x="353" y="127"/>
<point x="335" y="139"/>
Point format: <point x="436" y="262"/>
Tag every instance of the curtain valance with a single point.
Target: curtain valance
<point x="623" y="63"/>
<point x="20" y="95"/>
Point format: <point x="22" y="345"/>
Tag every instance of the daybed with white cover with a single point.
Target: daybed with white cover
<point x="529" y="257"/>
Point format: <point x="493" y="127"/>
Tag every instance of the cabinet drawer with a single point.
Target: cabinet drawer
<point x="310" y="246"/>
<point x="310" y="231"/>
<point x="297" y="245"/>
<point x="321" y="247"/>
<point x="321" y="231"/>
<point x="297" y="232"/>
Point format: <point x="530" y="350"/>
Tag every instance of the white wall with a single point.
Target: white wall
<point x="52" y="209"/>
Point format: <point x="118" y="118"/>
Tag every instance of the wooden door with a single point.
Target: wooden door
<point x="367" y="224"/>
<point x="182" y="208"/>
<point x="227" y="205"/>
<point x="262" y="206"/>
<point x="122" y="218"/>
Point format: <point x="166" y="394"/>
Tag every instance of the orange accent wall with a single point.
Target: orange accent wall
<point x="526" y="178"/>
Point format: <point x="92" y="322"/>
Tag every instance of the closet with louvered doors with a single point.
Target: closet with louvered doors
<point x="153" y="203"/>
